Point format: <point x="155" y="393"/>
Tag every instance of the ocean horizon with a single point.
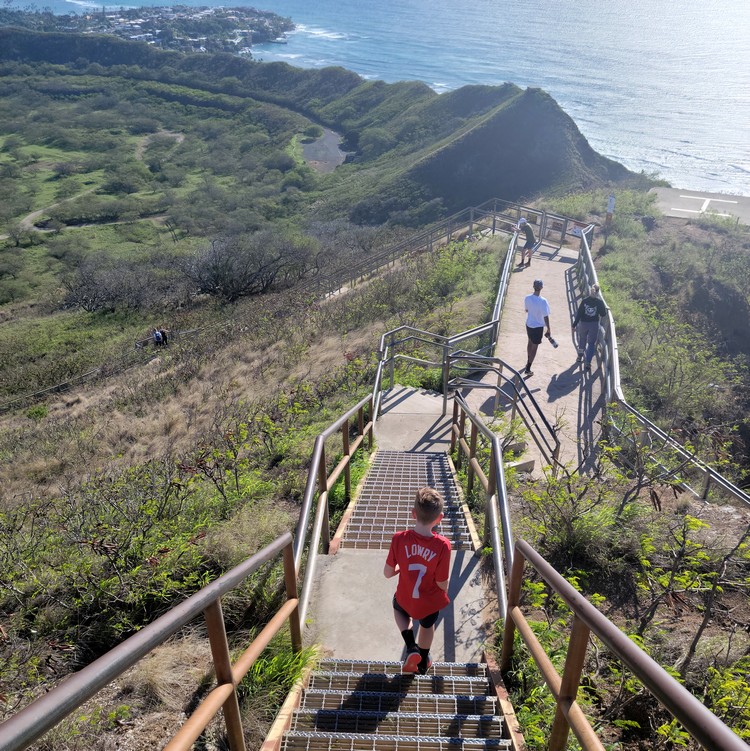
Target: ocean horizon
<point x="661" y="87"/>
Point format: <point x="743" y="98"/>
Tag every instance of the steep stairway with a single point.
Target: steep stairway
<point x="352" y="705"/>
<point x="387" y="496"/>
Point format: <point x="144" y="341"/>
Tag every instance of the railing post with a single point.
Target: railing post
<point x="454" y="426"/>
<point x="290" y="583"/>
<point x="446" y="375"/>
<point x="514" y="597"/>
<point x="514" y="410"/>
<point x="347" y="469"/>
<point x="323" y="489"/>
<point x="461" y="430"/>
<point x="472" y="453"/>
<point x="496" y="400"/>
<point x="471" y="222"/>
<point x="706" y="487"/>
<point x="392" y="362"/>
<point x="217" y="637"/>
<point x="569" y="684"/>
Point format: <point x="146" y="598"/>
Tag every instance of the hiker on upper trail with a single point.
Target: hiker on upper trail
<point x="586" y="323"/>
<point x="537" y="317"/>
<point x="421" y="559"/>
<point x="528" y="247"/>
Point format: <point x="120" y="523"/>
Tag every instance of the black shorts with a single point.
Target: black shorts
<point x="535" y="335"/>
<point x="427" y="622"/>
<point x="529" y="245"/>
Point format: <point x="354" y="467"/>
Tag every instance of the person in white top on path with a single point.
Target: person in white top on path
<point x="537" y="317"/>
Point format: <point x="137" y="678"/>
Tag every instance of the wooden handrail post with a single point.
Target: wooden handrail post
<point x="571" y="678"/>
<point x="514" y="597"/>
<point x="217" y="637"/>
<point x="454" y="425"/>
<point x="347" y="469"/>
<point x="472" y="454"/>
<point x="461" y="428"/>
<point x="290" y="583"/>
<point x="323" y="498"/>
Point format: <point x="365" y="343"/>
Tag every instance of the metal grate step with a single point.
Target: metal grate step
<point x="299" y="741"/>
<point x="334" y="665"/>
<point x="345" y="720"/>
<point x="387" y="496"/>
<point x="373" y="701"/>
<point x="407" y="683"/>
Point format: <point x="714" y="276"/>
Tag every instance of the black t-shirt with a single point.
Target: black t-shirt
<point x="529" y="232"/>
<point x="591" y="309"/>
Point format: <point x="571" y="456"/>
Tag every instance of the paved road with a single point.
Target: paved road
<point x="687" y="204"/>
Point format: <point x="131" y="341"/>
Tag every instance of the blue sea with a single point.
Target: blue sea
<point x="662" y="86"/>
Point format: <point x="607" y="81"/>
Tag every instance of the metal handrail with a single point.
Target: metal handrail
<point x="704" y="726"/>
<point x="497" y="506"/>
<point x="37" y="718"/>
<point x="320" y="482"/>
<point x="614" y="395"/>
<point x="523" y="396"/>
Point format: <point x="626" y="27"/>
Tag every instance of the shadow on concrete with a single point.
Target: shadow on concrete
<point x="435" y="437"/>
<point x="590" y="407"/>
<point x="563" y="383"/>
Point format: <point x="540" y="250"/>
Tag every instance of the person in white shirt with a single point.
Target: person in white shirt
<point x="537" y="317"/>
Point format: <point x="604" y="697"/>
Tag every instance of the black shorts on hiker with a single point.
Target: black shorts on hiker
<point x="535" y="335"/>
<point x="427" y="622"/>
<point x="529" y="245"/>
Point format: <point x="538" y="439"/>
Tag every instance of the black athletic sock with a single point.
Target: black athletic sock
<point x="408" y="635"/>
<point x="425" y="661"/>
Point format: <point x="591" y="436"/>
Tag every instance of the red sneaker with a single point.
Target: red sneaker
<point x="423" y="670"/>
<point x="411" y="663"/>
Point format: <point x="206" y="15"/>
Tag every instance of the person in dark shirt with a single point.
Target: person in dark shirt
<point x="586" y="322"/>
<point x="528" y="246"/>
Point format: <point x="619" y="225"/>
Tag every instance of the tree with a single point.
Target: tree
<point x="231" y="268"/>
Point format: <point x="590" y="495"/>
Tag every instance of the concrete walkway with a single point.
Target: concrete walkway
<point x="570" y="400"/>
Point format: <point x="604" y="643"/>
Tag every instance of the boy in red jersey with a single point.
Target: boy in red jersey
<point x="421" y="559"/>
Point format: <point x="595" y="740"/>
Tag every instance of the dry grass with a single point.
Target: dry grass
<point x="169" y="677"/>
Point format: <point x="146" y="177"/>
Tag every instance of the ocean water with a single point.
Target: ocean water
<point x="658" y="85"/>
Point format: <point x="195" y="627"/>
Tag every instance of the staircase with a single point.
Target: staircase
<point x="371" y="706"/>
<point x="386" y="499"/>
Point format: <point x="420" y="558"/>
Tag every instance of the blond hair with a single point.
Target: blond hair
<point x="428" y="505"/>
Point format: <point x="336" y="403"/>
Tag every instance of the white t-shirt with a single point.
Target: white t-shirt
<point x="537" y="307"/>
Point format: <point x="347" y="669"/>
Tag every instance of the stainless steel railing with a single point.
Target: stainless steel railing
<point x="618" y="408"/>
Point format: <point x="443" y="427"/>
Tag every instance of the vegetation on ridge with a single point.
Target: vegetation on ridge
<point x="170" y="160"/>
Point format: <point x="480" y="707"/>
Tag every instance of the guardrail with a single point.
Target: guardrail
<point x="523" y="402"/>
<point x="320" y="481"/>
<point x="707" y="729"/>
<point x="43" y="714"/>
<point x="618" y="411"/>
<point x="497" y="507"/>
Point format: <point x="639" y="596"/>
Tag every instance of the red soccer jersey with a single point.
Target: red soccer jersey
<point x="422" y="562"/>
